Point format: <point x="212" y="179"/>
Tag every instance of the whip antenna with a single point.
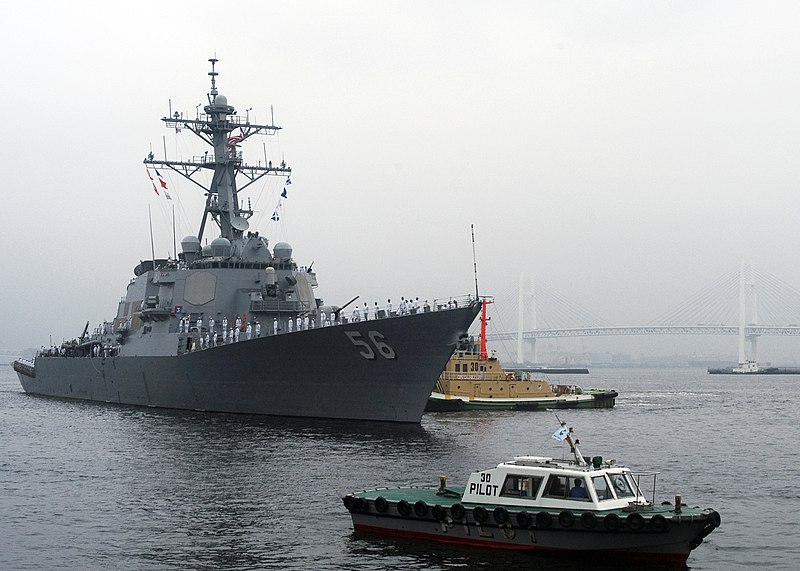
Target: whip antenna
<point x="474" y="262"/>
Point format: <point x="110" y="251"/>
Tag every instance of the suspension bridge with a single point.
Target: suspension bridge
<point x="745" y="301"/>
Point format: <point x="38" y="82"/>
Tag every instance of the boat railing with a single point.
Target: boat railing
<point x="647" y="475"/>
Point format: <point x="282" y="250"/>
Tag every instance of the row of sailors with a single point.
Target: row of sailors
<point x="406" y="307"/>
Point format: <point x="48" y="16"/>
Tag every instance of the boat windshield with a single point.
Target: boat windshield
<point x="602" y="488"/>
<point x="621" y="485"/>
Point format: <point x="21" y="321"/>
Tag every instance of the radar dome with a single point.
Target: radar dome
<point x="221" y="100"/>
<point x="221" y="247"/>
<point x="282" y="250"/>
<point x="190" y="244"/>
<point x="207" y="252"/>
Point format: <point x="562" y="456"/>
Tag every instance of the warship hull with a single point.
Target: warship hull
<point x="380" y="370"/>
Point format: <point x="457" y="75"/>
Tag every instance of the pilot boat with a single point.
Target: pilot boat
<point x="475" y="380"/>
<point x="583" y="507"/>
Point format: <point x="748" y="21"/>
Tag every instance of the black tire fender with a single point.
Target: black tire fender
<point x="500" y="515"/>
<point x="404" y="508"/>
<point x="480" y="514"/>
<point x="544" y="520"/>
<point x="588" y="520"/>
<point x="381" y="505"/>
<point x="566" y="519"/>
<point x="420" y="508"/>
<point x="457" y="512"/>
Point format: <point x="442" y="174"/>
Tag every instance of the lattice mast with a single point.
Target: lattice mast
<point x="215" y="127"/>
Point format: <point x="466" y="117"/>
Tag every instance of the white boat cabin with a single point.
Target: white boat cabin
<point x="529" y="482"/>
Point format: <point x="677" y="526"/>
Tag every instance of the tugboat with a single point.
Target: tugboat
<point x="591" y="508"/>
<point x="233" y="327"/>
<point x="475" y="380"/>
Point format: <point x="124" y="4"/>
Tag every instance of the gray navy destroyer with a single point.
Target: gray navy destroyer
<point x="234" y="327"/>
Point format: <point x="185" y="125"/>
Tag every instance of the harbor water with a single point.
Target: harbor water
<point x="94" y="486"/>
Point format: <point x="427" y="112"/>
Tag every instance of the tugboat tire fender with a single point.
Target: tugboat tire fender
<point x="349" y="503"/>
<point x="588" y="520"/>
<point x="403" y="508"/>
<point x="439" y="513"/>
<point x="421" y="508"/>
<point x="381" y="505"/>
<point x="612" y="522"/>
<point x="714" y="518"/>
<point x="500" y="515"/>
<point x="523" y="520"/>
<point x="457" y="512"/>
<point x="658" y="523"/>
<point x="566" y="519"/>
<point x="634" y="521"/>
<point x="544" y="520"/>
<point x="480" y="514"/>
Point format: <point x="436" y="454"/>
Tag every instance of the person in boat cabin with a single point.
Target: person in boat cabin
<point x="578" y="491"/>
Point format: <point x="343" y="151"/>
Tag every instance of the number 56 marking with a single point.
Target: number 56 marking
<point x="378" y="340"/>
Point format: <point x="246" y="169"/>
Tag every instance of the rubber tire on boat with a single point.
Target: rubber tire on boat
<point x="457" y="512"/>
<point x="403" y="508"/>
<point x="544" y="520"/>
<point x="658" y="523"/>
<point x="480" y="514"/>
<point x="523" y="520"/>
<point x="362" y="505"/>
<point x="634" y="521"/>
<point x="439" y="513"/>
<point x="588" y="520"/>
<point x="714" y="518"/>
<point x="566" y="519"/>
<point x="500" y="515"/>
<point x="421" y="508"/>
<point x="349" y="503"/>
<point x="381" y="505"/>
<point x="612" y="522"/>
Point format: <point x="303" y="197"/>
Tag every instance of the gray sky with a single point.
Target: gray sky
<point x="626" y="152"/>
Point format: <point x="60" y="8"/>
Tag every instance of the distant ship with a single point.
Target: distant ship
<point x="753" y="368"/>
<point x="234" y="327"/>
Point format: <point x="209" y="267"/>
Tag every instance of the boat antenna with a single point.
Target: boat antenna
<point x="474" y="261"/>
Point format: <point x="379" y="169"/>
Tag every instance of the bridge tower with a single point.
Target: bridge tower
<point x="521" y="306"/>
<point x="747" y="291"/>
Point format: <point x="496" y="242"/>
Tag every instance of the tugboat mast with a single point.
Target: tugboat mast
<point x="215" y="127"/>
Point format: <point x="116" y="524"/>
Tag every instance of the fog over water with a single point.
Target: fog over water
<point x="627" y="153"/>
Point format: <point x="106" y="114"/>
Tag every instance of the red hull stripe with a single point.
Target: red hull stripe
<point x="645" y="556"/>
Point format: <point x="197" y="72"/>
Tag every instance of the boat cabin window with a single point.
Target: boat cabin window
<point x="578" y="491"/>
<point x="521" y="486"/>
<point x="602" y="488"/>
<point x="621" y="485"/>
<point x="556" y="487"/>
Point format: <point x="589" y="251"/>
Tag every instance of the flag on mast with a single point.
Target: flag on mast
<point x="561" y="434"/>
<point x="151" y="180"/>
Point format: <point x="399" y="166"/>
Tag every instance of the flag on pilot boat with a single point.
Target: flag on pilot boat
<point x="151" y="180"/>
<point x="561" y="434"/>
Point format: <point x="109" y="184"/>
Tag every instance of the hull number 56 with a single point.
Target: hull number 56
<point x="377" y="340"/>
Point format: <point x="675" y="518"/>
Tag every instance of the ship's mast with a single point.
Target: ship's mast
<point x="215" y="127"/>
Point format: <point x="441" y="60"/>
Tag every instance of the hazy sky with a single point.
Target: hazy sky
<point x="627" y="153"/>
